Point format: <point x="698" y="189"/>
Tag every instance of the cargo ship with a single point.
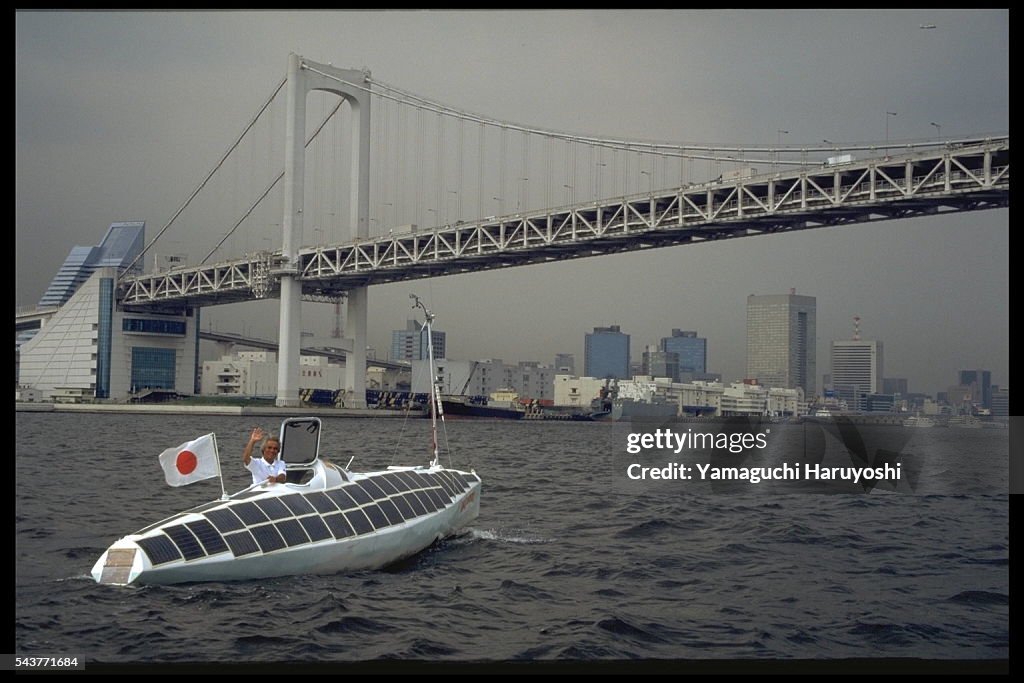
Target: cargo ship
<point x="500" y="405"/>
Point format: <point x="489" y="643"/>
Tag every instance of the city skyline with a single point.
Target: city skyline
<point x="852" y="363"/>
<point x="147" y="102"/>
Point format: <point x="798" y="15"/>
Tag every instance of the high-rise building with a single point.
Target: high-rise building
<point x="981" y="380"/>
<point x="961" y="399"/>
<point x="1000" y="401"/>
<point x="781" y="339"/>
<point x="691" y="350"/>
<point x="119" y="248"/>
<point x="606" y="353"/>
<point x="660" y="364"/>
<point x="565" y="364"/>
<point x="895" y="385"/>
<point x="411" y="343"/>
<point x="856" y="371"/>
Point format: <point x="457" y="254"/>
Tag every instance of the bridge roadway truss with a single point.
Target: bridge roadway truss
<point x="966" y="177"/>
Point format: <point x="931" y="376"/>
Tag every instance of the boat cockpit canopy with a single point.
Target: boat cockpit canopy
<point x="300" y="441"/>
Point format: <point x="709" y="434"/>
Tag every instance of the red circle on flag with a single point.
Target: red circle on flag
<point x="186" y="462"/>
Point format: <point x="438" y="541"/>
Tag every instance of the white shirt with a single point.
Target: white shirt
<point x="262" y="470"/>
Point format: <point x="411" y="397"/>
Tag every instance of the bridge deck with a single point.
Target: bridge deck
<point x="968" y="177"/>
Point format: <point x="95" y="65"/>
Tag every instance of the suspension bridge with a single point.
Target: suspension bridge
<point x="308" y="218"/>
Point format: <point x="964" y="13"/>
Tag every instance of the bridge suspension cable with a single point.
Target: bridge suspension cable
<point x="270" y="187"/>
<point x="704" y="152"/>
<point x="206" y="180"/>
<point x="707" y="152"/>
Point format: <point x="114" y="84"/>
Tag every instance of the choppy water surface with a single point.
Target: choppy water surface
<point x="559" y="566"/>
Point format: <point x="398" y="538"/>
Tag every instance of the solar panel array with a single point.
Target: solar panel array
<point x="246" y="527"/>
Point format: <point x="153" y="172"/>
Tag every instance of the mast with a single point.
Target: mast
<point x="435" y="403"/>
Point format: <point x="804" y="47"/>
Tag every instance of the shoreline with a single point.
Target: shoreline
<point x="162" y="409"/>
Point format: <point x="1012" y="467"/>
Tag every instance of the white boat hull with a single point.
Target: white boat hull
<point x="222" y="542"/>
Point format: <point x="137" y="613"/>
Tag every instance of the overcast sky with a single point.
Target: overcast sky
<point x="120" y="115"/>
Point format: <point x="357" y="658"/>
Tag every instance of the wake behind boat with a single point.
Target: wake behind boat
<point x="324" y="519"/>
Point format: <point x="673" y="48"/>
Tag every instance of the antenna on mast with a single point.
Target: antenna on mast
<point x="435" y="403"/>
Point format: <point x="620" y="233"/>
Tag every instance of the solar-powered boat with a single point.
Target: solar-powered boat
<point x="324" y="519"/>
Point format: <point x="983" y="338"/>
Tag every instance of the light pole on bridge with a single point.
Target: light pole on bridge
<point x="778" y="142"/>
<point x="887" y="115"/>
<point x="834" y="145"/>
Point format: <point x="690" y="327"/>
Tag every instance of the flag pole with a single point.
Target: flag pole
<point x="216" y="454"/>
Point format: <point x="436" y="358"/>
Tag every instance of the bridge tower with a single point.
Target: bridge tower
<point x="305" y="76"/>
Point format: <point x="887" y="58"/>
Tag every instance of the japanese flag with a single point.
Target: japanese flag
<point x="191" y="461"/>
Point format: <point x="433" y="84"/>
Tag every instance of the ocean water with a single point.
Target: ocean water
<point x="561" y="565"/>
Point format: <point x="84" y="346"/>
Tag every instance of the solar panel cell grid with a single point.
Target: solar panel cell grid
<point x="297" y="504"/>
<point x="292" y="532"/>
<point x="338" y="525"/>
<point x="208" y="536"/>
<point x="186" y="542"/>
<point x="225" y="520"/>
<point x="343" y="499"/>
<point x="390" y="511"/>
<point x="376" y="516"/>
<point x="241" y="543"/>
<point x="321" y="502"/>
<point x="249" y="513"/>
<point x="267" y="538"/>
<point x="358" y="521"/>
<point x="359" y="493"/>
<point x="274" y="508"/>
<point x="372" y="488"/>
<point x="315" y="528"/>
<point x="159" y="549"/>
